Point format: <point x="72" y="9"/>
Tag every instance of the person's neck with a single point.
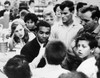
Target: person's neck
<point x="68" y="23"/>
<point x="58" y="19"/>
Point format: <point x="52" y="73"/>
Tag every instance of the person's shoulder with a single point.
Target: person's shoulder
<point x="2" y="75"/>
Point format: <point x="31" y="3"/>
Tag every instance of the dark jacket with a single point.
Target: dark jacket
<point x="31" y="50"/>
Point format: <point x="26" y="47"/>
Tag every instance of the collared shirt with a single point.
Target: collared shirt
<point x="88" y="67"/>
<point x="65" y="33"/>
<point x="49" y="71"/>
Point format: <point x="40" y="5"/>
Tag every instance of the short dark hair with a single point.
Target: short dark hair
<point x="31" y="16"/>
<point x="55" y="7"/>
<point x="68" y="4"/>
<point x="55" y="52"/>
<point x="17" y="67"/>
<point x="88" y="37"/>
<point x="98" y="65"/>
<point x="23" y="5"/>
<point x="42" y="23"/>
<point x="73" y="74"/>
<point x="80" y="5"/>
<point x="31" y="1"/>
<point x="7" y="2"/>
<point x="94" y="9"/>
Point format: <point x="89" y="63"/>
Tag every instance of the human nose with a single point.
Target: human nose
<point x="44" y="35"/>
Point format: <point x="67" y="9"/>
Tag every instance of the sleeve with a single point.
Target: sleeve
<point x="27" y="52"/>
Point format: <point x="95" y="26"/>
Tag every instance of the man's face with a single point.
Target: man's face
<point x="7" y="6"/>
<point x="87" y="21"/>
<point x="43" y="34"/>
<point x="66" y="15"/>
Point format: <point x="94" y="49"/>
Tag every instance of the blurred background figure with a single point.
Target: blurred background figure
<point x="31" y="6"/>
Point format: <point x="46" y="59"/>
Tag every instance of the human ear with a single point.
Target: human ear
<point x="92" y="50"/>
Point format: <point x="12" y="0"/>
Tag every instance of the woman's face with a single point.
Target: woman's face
<point x="58" y="12"/>
<point x="83" y="49"/>
<point x="19" y="31"/>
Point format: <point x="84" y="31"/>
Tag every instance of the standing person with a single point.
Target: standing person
<point x="6" y="8"/>
<point x="68" y="29"/>
<point x="85" y="46"/>
<point x="31" y="49"/>
<point x="90" y="19"/>
<point x="57" y="12"/>
<point x="31" y="6"/>
<point x="54" y="54"/>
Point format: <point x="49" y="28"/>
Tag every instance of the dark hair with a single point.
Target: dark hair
<point x="80" y="5"/>
<point x="31" y="1"/>
<point x="7" y="2"/>
<point x="73" y="74"/>
<point x="55" y="7"/>
<point x="31" y="16"/>
<point x="55" y="52"/>
<point x="88" y="37"/>
<point x="17" y="67"/>
<point x="94" y="9"/>
<point x="98" y="65"/>
<point x="42" y="23"/>
<point x="68" y="4"/>
<point x="23" y="5"/>
<point x="16" y="39"/>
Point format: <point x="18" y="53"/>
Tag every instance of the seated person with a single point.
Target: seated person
<point x="19" y="35"/>
<point x="31" y="49"/>
<point x="55" y="53"/>
<point x="17" y="67"/>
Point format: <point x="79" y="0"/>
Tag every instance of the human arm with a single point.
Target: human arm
<point x="37" y="59"/>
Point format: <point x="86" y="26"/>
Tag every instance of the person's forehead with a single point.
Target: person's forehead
<point x="19" y="27"/>
<point x="6" y="5"/>
<point x="44" y="28"/>
<point x="29" y="20"/>
<point x="66" y="9"/>
<point x="87" y="15"/>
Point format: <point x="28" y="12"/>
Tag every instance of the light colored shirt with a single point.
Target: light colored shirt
<point x="88" y="67"/>
<point x="65" y="33"/>
<point x="49" y="71"/>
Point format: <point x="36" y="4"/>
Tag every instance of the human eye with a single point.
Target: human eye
<point x="86" y="20"/>
<point x="47" y="33"/>
<point x="78" y="45"/>
<point x="20" y="29"/>
<point x="41" y="32"/>
<point x="16" y="31"/>
<point x="83" y="46"/>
